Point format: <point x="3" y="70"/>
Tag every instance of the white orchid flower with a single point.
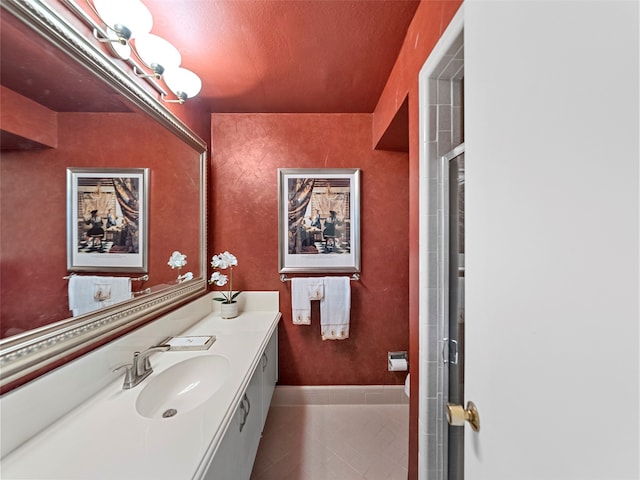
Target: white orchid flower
<point x="224" y="260"/>
<point x="187" y="276"/>
<point x="218" y="278"/>
<point x="177" y="260"/>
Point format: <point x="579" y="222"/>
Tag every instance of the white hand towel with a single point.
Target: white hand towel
<point x="81" y="294"/>
<point x="88" y="293"/>
<point x="300" y="303"/>
<point x="316" y="289"/>
<point x="335" y="308"/>
<point x="120" y="290"/>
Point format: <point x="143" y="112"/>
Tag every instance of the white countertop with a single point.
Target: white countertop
<point x="105" y="438"/>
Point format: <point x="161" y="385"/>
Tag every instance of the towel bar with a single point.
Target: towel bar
<point x="143" y="278"/>
<point x="283" y="277"/>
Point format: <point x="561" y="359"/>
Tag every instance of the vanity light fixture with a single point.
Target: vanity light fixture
<point x="183" y="83"/>
<point x="125" y="26"/>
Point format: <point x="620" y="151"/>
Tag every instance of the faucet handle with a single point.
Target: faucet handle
<point x="129" y="374"/>
<point x="128" y="366"/>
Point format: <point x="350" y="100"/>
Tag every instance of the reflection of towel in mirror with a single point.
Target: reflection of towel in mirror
<point x="300" y="303"/>
<point x="335" y="308"/>
<point x="88" y="293"/>
<point x="120" y="290"/>
<point x="81" y="296"/>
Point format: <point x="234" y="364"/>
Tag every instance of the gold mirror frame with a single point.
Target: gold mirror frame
<point x="24" y="355"/>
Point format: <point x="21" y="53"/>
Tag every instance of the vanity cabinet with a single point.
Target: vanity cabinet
<point x="217" y="439"/>
<point x="237" y="451"/>
<point x="269" y="365"/>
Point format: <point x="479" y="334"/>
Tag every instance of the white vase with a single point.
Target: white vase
<point x="229" y="310"/>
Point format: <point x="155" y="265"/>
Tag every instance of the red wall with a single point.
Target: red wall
<point x="248" y="149"/>
<point x="33" y="218"/>
<point x="430" y="21"/>
<point x="26" y="121"/>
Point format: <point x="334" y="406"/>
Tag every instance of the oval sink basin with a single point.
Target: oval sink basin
<point x="183" y="387"/>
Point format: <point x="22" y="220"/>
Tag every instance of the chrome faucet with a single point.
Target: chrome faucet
<point x="140" y="368"/>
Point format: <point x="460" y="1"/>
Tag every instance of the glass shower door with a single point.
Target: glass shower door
<point x="455" y="339"/>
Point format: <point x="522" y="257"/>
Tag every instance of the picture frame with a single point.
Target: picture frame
<point x="318" y="220"/>
<point x="107" y="219"/>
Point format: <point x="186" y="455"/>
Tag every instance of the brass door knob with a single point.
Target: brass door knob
<point x="457" y="415"/>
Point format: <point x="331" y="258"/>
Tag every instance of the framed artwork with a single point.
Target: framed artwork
<point x="319" y="220"/>
<point x="107" y="219"/>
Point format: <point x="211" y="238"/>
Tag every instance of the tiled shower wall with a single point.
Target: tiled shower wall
<point x="445" y="131"/>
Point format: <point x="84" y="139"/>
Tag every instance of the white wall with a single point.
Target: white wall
<point x="551" y="134"/>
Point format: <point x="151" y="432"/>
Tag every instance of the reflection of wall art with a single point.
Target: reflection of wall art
<point x="319" y="220"/>
<point x="107" y="212"/>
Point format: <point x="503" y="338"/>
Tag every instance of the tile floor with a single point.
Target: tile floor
<point x="334" y="442"/>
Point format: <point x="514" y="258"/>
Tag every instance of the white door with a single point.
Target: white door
<point x="552" y="249"/>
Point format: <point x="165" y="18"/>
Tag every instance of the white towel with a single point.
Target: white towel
<point x="88" y="293"/>
<point x="120" y="290"/>
<point x="81" y="297"/>
<point x="335" y="308"/>
<point x="316" y="288"/>
<point x="300" y="303"/>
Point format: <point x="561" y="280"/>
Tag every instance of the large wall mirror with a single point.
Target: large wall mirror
<point x="66" y="104"/>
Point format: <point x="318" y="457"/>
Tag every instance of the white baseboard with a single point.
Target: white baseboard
<point x="286" y="395"/>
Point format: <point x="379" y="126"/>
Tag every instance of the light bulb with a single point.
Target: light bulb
<point x="128" y="18"/>
<point x="157" y="53"/>
<point x="184" y="83"/>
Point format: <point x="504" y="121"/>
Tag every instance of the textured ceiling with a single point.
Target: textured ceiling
<point x="287" y="56"/>
<point x="317" y="56"/>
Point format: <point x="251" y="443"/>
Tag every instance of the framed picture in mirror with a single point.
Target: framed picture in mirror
<point x="107" y="212"/>
<point x="319" y="220"/>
